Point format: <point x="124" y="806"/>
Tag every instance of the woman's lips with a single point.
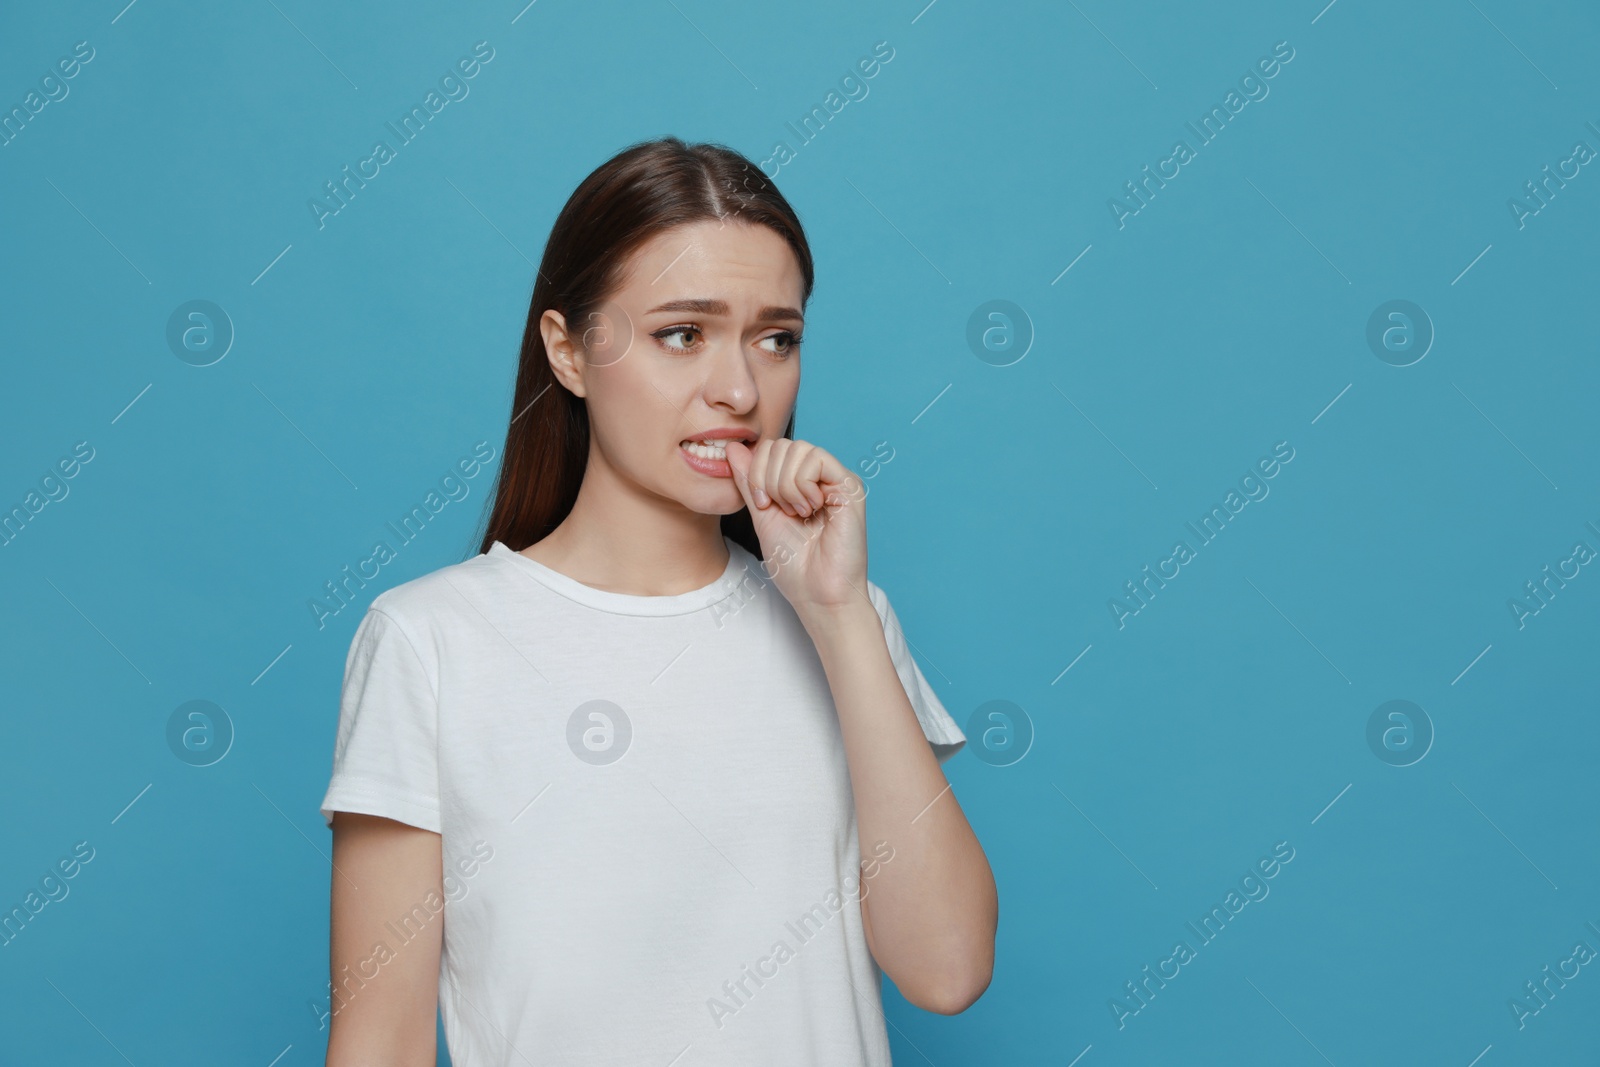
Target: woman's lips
<point x="716" y="468"/>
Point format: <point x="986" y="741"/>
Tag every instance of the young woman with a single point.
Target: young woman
<point x="653" y="779"/>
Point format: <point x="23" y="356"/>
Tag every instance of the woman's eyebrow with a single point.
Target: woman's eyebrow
<point x="720" y="307"/>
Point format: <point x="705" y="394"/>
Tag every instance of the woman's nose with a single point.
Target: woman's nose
<point x="729" y="382"/>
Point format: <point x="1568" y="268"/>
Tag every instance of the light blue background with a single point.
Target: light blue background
<point x="1227" y="315"/>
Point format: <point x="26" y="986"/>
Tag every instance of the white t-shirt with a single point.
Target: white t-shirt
<point x="649" y="837"/>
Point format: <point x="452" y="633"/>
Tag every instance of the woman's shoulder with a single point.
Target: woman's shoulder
<point x="438" y="595"/>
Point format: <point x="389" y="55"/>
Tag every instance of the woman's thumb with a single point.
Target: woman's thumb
<point x="739" y="454"/>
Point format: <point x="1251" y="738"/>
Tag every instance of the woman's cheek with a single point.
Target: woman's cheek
<point x="639" y="414"/>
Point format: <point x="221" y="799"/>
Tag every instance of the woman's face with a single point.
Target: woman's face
<point x="700" y="338"/>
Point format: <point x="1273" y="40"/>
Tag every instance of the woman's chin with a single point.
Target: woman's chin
<point x="713" y="500"/>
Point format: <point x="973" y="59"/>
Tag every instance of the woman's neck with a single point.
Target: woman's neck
<point x="624" y="540"/>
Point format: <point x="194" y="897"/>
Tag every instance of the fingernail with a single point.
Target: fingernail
<point x="762" y="500"/>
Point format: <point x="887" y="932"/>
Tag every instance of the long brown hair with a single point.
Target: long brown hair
<point x="644" y="189"/>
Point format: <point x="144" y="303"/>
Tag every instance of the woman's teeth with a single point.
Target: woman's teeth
<point x="717" y="450"/>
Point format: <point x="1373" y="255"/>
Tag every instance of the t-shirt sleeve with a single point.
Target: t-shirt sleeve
<point x="937" y="725"/>
<point x="385" y="756"/>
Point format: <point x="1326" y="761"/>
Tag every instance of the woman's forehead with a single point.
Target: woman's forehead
<point x="736" y="263"/>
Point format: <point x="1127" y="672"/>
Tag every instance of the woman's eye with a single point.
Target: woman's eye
<point x="676" y="331"/>
<point x="784" y="344"/>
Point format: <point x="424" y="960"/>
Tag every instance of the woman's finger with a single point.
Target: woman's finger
<point x="817" y="477"/>
<point x="773" y="474"/>
<point x="756" y="473"/>
<point x="743" y="472"/>
<point x="792" y="476"/>
<point x="836" y="484"/>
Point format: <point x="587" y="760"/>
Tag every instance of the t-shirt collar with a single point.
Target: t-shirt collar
<point x="627" y="603"/>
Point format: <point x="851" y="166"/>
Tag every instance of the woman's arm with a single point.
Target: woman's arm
<point x="933" y="906"/>
<point x="930" y="912"/>
<point x="387" y="876"/>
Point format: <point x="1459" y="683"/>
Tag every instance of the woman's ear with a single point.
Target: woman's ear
<point x="562" y="351"/>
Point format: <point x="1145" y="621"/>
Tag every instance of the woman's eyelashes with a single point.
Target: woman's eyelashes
<point x="791" y="343"/>
<point x="784" y="343"/>
<point x="675" y="331"/>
